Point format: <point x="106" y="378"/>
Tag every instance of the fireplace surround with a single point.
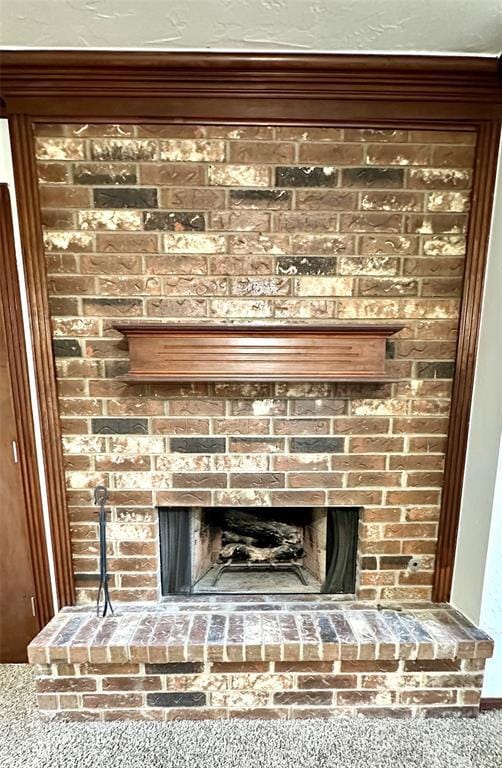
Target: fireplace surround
<point x="239" y="227"/>
<point x="243" y="227"/>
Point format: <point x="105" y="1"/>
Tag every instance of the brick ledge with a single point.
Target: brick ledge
<point x="247" y="631"/>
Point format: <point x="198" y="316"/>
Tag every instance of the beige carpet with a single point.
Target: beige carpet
<point x="27" y="742"/>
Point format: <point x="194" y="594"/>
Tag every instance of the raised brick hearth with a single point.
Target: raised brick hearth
<point x="219" y="659"/>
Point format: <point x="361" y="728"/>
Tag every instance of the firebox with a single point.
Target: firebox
<point x="251" y="550"/>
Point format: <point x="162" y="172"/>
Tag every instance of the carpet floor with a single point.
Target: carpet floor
<point x="28" y="742"/>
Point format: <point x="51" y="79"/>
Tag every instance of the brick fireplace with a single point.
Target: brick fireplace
<point x="224" y="224"/>
<point x="227" y="224"/>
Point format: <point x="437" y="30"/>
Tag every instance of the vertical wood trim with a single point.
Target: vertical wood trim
<point x="485" y="170"/>
<point x="23" y="155"/>
<point x="25" y="434"/>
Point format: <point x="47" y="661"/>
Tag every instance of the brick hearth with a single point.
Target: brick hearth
<point x="219" y="658"/>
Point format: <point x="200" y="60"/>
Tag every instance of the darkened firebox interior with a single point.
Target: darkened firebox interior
<point x="241" y="550"/>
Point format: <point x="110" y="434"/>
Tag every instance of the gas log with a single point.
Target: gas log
<point x="247" y="537"/>
<point x="254" y="530"/>
<point x="245" y="553"/>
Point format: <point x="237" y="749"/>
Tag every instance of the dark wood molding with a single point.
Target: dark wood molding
<point x="23" y="156"/>
<point x="485" y="171"/>
<point x="486" y="704"/>
<point x="242" y="87"/>
<point x="25" y="433"/>
<point x="461" y="93"/>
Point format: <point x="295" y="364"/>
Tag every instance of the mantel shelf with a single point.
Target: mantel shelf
<point x="154" y="379"/>
<point x="161" y="352"/>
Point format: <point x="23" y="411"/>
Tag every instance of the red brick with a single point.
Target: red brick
<point x="321" y="682"/>
<point x="112" y="700"/>
<point x="330" y="153"/>
<point x="129" y="684"/>
<point x="428" y="697"/>
<point x="304" y="666"/>
<point x="261" y="152"/>
<point x="315" y="479"/>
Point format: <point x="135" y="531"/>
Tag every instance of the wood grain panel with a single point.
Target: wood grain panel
<point x="23" y="153"/>
<point x="256" y="353"/>
<point x="17" y="373"/>
<point x="241" y="87"/>
<point x="468" y="333"/>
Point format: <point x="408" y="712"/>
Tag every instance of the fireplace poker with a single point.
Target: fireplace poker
<point x="100" y="499"/>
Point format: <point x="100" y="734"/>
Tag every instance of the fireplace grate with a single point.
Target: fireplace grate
<point x="236" y="567"/>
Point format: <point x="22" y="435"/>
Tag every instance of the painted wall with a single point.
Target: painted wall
<point x="7" y="177"/>
<point x="477" y="580"/>
<point x="491" y="606"/>
<point x="449" y="26"/>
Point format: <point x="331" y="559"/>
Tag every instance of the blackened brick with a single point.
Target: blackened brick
<point x="306" y="265"/>
<point x="305" y="176"/>
<point x="390" y="350"/>
<point x="445" y="712"/>
<point x="433" y="665"/>
<point x="183" y="668"/>
<point x="260" y="198"/>
<point x="435" y="370"/>
<point x="125" y="197"/>
<point x="327" y="631"/>
<point x="67" y="348"/>
<point x="369" y="564"/>
<point x="116" y="368"/>
<point x="174" y="221"/>
<point x="316" y="445"/>
<point x="194" y="699"/>
<point x="95" y="173"/>
<point x="120" y="426"/>
<point x="86" y="577"/>
<point x="112" y="307"/>
<point x="198" y="445"/>
<point x="373" y="177"/>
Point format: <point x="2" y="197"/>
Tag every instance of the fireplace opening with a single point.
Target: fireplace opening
<point x="253" y="550"/>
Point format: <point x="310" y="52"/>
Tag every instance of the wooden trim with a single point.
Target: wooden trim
<point x="263" y="87"/>
<point x="485" y="171"/>
<point x="230" y="329"/>
<point x="487" y="704"/>
<point x="23" y="155"/>
<point x="25" y="433"/>
<point x="458" y="93"/>
<point x="263" y="352"/>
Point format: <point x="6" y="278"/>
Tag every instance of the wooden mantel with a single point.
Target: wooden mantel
<point x="162" y="352"/>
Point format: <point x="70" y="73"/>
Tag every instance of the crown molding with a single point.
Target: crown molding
<point x="248" y="86"/>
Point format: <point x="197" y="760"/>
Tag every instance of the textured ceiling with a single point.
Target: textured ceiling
<point x="400" y="26"/>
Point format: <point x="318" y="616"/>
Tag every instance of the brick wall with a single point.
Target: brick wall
<point x="254" y="223"/>
<point x="266" y="690"/>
